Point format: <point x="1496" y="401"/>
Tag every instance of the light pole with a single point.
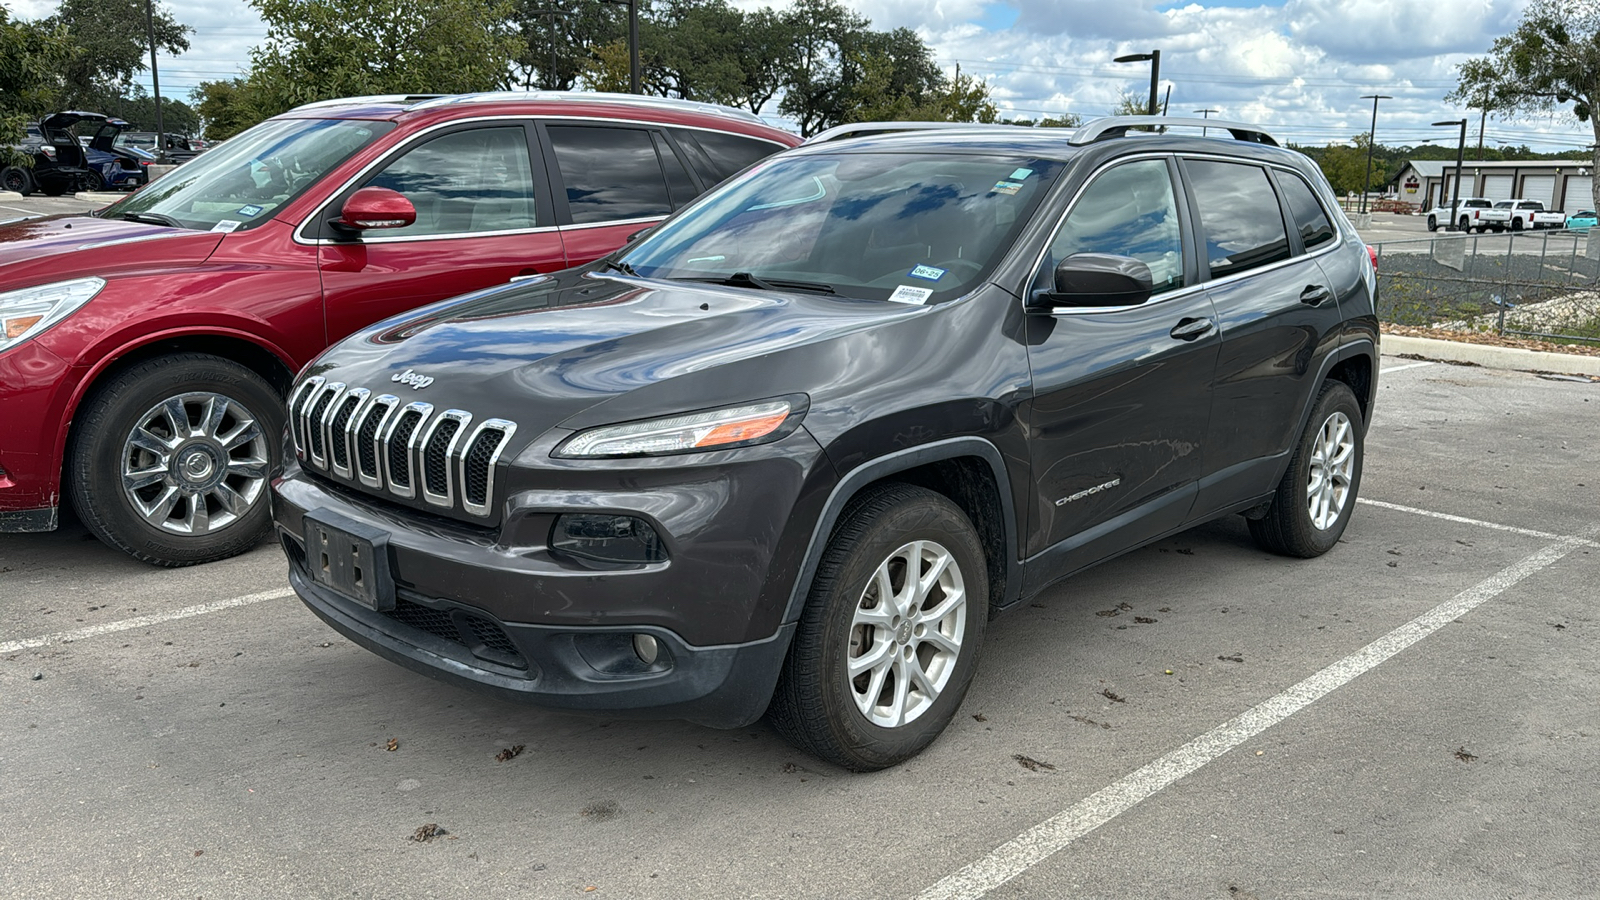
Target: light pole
<point x="1154" y="58"/>
<point x="155" y="78"/>
<point x="633" y="43"/>
<point x="1461" y="148"/>
<point x="1372" y="137"/>
<point x="1205" y="114"/>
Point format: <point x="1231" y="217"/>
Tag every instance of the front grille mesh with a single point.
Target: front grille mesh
<point x="368" y="440"/>
<point x="477" y="634"/>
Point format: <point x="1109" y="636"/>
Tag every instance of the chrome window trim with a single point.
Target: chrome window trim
<point x="409" y="141"/>
<point x="379" y="449"/>
<point x="509" y="428"/>
<point x="1177" y="188"/>
<point x="361" y="396"/>
<point x="448" y="497"/>
<point x="614" y="223"/>
<point x="410" y="491"/>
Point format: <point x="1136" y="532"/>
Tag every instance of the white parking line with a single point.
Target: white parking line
<point x="1041" y="841"/>
<point x="77" y="634"/>
<point x="1404" y="367"/>
<point x="1545" y="535"/>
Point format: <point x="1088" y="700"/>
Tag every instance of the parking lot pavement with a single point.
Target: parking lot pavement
<point x="40" y="205"/>
<point x="1413" y="715"/>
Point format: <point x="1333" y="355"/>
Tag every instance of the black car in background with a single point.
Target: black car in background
<point x="790" y="451"/>
<point x="65" y="161"/>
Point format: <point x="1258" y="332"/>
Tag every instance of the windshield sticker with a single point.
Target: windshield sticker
<point x="249" y="211"/>
<point x="1020" y="174"/>
<point x="905" y="293"/>
<point x="226" y="225"/>
<point x="932" y="273"/>
<point x="1007" y="187"/>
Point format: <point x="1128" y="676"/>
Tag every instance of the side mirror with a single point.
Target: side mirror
<point x="1099" y="279"/>
<point x="376" y="207"/>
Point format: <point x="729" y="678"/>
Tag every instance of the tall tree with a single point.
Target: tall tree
<point x="320" y="49"/>
<point x="560" y="40"/>
<point x="224" y="108"/>
<point x="1551" y="59"/>
<point x="31" y="55"/>
<point x="110" y="46"/>
<point x="817" y="80"/>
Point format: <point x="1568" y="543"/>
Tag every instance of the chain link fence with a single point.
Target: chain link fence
<point x="1541" y="284"/>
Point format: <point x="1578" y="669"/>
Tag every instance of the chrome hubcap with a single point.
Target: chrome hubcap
<point x="1333" y="463"/>
<point x="906" y="633"/>
<point x="195" y="463"/>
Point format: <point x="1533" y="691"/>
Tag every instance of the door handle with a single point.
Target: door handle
<point x="1314" y="295"/>
<point x="1190" y="329"/>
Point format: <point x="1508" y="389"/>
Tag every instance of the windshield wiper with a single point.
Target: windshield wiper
<point x="622" y="267"/>
<point x="747" y="279"/>
<point x="150" y="218"/>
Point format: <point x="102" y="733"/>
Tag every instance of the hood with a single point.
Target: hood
<point x="580" y="349"/>
<point x="36" y="251"/>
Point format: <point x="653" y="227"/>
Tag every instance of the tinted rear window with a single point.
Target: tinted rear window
<point x="730" y="153"/>
<point x="1310" y="219"/>
<point x="610" y="174"/>
<point x="1239" y="215"/>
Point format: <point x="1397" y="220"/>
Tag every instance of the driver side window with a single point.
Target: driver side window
<point x="1129" y="210"/>
<point x="465" y="182"/>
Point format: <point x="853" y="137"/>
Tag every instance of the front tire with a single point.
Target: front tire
<point x="1433" y="223"/>
<point x="170" y="459"/>
<point x="1317" y="495"/>
<point x="890" y="635"/>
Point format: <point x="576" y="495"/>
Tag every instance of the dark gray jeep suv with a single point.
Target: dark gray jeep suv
<point x="790" y="451"/>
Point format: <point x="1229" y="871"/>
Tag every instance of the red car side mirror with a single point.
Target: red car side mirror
<point x="376" y="207"/>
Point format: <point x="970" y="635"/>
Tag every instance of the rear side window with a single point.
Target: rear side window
<point x="1310" y="219"/>
<point x="679" y="185"/>
<point x="731" y="153"/>
<point x="1239" y="216"/>
<point x="610" y="174"/>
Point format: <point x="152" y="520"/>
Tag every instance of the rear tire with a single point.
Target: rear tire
<point x="1317" y="495"/>
<point x="890" y="635"/>
<point x="170" y="459"/>
<point x="17" y="180"/>
<point x="1433" y="223"/>
<point x="95" y="182"/>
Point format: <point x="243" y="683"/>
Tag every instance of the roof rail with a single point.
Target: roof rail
<point x="714" y="109"/>
<point x="859" y="129"/>
<point x="1118" y="126"/>
<point x="402" y="99"/>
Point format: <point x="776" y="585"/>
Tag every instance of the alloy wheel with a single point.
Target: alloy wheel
<point x="906" y="633"/>
<point x="195" y="463"/>
<point x="1332" y="468"/>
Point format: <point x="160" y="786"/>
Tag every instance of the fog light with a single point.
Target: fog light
<point x="619" y="540"/>
<point x="646" y="648"/>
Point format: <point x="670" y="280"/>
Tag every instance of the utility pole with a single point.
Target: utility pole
<point x="633" y="47"/>
<point x="1205" y="114"/>
<point x="155" y="78"/>
<point x="1461" y="147"/>
<point x="1372" y="137"/>
<point x="1483" y="118"/>
<point x="1154" y="58"/>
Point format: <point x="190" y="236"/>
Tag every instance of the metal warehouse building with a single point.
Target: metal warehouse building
<point x="1563" y="184"/>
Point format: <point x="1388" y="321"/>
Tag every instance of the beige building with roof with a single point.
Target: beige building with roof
<point x="1564" y="184"/>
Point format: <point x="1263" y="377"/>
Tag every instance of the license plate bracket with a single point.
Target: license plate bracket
<point x="350" y="558"/>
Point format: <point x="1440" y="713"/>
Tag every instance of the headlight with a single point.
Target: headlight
<point x="26" y="313"/>
<point x="718" y="429"/>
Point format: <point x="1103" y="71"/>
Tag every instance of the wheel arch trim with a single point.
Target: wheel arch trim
<point x="900" y="461"/>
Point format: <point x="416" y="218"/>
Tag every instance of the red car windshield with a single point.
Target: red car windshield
<point x="241" y="183"/>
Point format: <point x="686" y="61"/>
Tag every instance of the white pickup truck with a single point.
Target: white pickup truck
<point x="1471" y="212"/>
<point x="1531" y="214"/>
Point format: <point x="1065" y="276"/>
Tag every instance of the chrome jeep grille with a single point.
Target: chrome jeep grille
<point x="404" y="449"/>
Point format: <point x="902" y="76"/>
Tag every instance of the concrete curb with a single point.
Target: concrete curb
<point x="10" y="195"/>
<point x="99" y="196"/>
<point x="1492" y="357"/>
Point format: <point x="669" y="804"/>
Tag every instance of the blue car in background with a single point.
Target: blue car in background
<point x="1582" y="220"/>
<point x="118" y="168"/>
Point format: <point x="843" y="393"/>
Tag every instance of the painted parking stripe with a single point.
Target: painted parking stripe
<point x="1040" y="842"/>
<point x="1543" y="535"/>
<point x="1404" y="367"/>
<point x="77" y="634"/>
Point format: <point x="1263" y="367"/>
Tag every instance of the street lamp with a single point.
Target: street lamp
<point x="1205" y="114"/>
<point x="155" y="78"/>
<point x="1154" y="58"/>
<point x="1461" y="147"/>
<point x="1372" y="137"/>
<point x="633" y="43"/>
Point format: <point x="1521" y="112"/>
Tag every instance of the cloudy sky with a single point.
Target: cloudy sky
<point x="1297" y="66"/>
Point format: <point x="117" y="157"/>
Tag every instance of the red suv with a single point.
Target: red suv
<point x="145" y="350"/>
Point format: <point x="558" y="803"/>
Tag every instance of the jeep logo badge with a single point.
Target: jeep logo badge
<point x="417" y="382"/>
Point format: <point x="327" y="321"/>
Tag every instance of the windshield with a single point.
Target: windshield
<point x="905" y="227"/>
<point x="239" y="184"/>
